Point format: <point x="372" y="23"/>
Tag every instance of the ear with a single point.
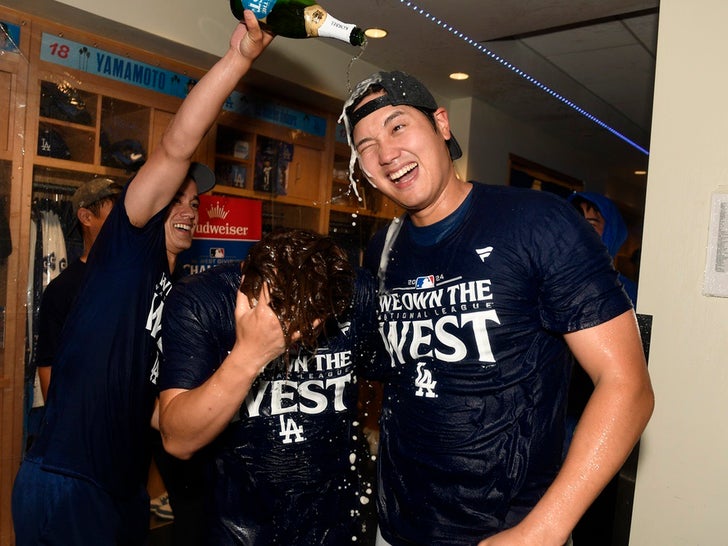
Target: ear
<point x="84" y="216"/>
<point x="443" y="122"/>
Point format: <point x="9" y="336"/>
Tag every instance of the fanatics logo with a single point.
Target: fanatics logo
<point x="484" y="252"/>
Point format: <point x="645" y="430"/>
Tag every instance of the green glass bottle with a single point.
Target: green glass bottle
<point x="299" y="19"/>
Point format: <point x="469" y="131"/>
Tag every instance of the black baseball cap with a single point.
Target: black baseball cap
<point x="400" y="89"/>
<point x="203" y="177"/>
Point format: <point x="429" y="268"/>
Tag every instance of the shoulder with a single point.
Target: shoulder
<point x="519" y="198"/>
<point x="365" y="288"/>
<point x="376" y="244"/>
<point x="201" y="304"/>
<point x="218" y="280"/>
<point x="67" y="283"/>
<point x="528" y="215"/>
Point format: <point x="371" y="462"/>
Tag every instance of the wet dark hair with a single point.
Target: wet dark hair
<point x="309" y="278"/>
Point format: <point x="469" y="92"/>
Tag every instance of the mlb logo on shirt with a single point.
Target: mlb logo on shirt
<point x="425" y="282"/>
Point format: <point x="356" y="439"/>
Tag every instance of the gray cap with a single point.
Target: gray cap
<point x="203" y="177"/>
<point x="400" y="88"/>
<point x="93" y="191"/>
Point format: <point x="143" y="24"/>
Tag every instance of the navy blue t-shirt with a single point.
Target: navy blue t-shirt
<point x="476" y="367"/>
<point x="101" y="398"/>
<point x="55" y="305"/>
<point x="281" y="472"/>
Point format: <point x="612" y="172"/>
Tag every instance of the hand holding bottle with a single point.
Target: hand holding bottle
<point x="248" y="38"/>
<point x="299" y="19"/>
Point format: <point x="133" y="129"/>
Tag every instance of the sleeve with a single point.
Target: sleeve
<point x="50" y="323"/>
<point x="580" y="287"/>
<point x="119" y="237"/>
<point x="190" y="352"/>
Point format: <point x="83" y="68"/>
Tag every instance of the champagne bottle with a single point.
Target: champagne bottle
<point x="299" y="19"/>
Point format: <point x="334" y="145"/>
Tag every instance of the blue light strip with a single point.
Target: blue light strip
<point x="522" y="74"/>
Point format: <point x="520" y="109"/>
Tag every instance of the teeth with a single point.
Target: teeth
<point x="182" y="226"/>
<point x="403" y="171"/>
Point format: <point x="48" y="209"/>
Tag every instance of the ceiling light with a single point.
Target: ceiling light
<point x="375" y="33"/>
<point x="480" y="47"/>
<point x="640" y="173"/>
<point x="459" y="76"/>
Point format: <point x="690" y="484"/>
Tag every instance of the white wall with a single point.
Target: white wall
<point x="494" y="135"/>
<point x="682" y="482"/>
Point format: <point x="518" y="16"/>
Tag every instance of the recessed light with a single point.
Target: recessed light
<point x="375" y="33"/>
<point x="459" y="76"/>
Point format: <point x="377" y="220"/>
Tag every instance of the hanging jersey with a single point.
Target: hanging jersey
<point x="54" y="246"/>
<point x="476" y="367"/>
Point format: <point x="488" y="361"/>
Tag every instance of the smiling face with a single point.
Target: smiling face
<point x="407" y="159"/>
<point x="181" y="221"/>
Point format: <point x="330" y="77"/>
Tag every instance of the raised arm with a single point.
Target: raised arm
<point x="610" y="426"/>
<point x="190" y="419"/>
<point x="159" y="178"/>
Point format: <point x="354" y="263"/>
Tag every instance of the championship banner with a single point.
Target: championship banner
<point x="227" y="228"/>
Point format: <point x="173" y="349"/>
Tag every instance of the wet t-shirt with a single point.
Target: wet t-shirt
<point x="102" y="394"/>
<point x="475" y="364"/>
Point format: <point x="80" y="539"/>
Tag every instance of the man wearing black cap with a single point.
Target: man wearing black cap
<point x="84" y="479"/>
<point x="92" y="202"/>
<point x="484" y="293"/>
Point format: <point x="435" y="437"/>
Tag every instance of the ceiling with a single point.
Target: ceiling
<point x="599" y="55"/>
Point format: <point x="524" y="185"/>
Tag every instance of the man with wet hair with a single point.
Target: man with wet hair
<point x="274" y="416"/>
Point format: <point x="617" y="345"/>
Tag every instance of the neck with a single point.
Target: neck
<point x="447" y="202"/>
<point x="172" y="260"/>
<point x="88" y="241"/>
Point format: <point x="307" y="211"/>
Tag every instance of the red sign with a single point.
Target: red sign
<point x="229" y="218"/>
<point x="227" y="228"/>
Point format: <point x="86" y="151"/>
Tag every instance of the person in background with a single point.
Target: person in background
<point x="605" y="218"/>
<point x="485" y="291"/>
<point x="84" y="479"/>
<point x="259" y="376"/>
<point x="91" y="202"/>
<point x="595" y="526"/>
